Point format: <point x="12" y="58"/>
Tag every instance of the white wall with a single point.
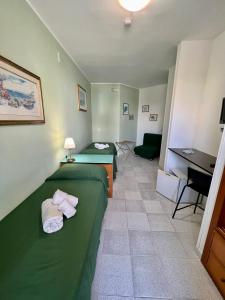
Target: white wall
<point x="155" y="97"/>
<point x="108" y="122"/>
<point x="167" y="116"/>
<point x="189" y="83"/>
<point x="128" y="128"/>
<point x="208" y="135"/>
<point x="199" y="87"/>
<point x="210" y="204"/>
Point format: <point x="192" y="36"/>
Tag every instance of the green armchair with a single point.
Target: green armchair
<point x="151" y="146"/>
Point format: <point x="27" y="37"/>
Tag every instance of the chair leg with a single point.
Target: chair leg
<point x="178" y="202"/>
<point x="196" y="204"/>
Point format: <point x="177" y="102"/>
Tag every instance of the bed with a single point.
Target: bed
<point x="111" y="150"/>
<point x="39" y="266"/>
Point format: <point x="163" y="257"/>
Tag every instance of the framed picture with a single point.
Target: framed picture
<point x="125" y="109"/>
<point x="153" y="117"/>
<point x="131" y="117"/>
<point x="82" y="98"/>
<point x="145" y="108"/>
<point x="20" y="95"/>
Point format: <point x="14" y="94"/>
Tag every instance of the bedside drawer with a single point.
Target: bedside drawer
<point x="217" y="272"/>
<point x="218" y="247"/>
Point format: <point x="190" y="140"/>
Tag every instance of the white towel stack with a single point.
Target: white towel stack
<point x="101" y="146"/>
<point x="53" y="210"/>
<point x="59" y="196"/>
<point x="52" y="218"/>
<point x="67" y="209"/>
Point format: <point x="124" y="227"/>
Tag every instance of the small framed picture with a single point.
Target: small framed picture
<point x="82" y="98"/>
<point x="153" y="117"/>
<point x="145" y="108"/>
<point x="125" y="109"/>
<point x="131" y="117"/>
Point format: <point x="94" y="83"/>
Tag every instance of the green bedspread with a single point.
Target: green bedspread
<point x="39" y="266"/>
<point x="111" y="150"/>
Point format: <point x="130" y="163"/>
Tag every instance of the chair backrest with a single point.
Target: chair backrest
<point x="152" y="139"/>
<point x="199" y="179"/>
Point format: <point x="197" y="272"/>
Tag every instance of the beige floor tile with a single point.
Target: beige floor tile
<point x="135" y="206"/>
<point x="165" y="262"/>
<point x="119" y="194"/>
<point x="116" y="242"/>
<point x="188" y="279"/>
<point x="160" y="222"/>
<point x="137" y="221"/>
<point x="153" y="207"/>
<point x="141" y="243"/>
<point x="168" y="245"/>
<point x="115" y="220"/>
<point x="132" y="195"/>
<point x="116" y="205"/>
<point x="113" y="276"/>
<point x="149" y="280"/>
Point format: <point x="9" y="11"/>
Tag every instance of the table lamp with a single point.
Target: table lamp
<point x="69" y="145"/>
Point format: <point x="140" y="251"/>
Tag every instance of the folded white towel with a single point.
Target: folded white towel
<point x="67" y="209"/>
<point x="59" y="196"/>
<point x="101" y="146"/>
<point x="52" y="218"/>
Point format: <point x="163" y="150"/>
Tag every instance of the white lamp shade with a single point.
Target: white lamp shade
<point x="69" y="143"/>
<point x="134" y="5"/>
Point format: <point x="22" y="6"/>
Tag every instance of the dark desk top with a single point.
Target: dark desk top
<point x="203" y="160"/>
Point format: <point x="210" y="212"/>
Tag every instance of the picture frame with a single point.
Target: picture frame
<point x="131" y="117"/>
<point x="125" y="109"/>
<point x="21" y="100"/>
<point x="82" y="98"/>
<point x="145" y="108"/>
<point x="153" y="117"/>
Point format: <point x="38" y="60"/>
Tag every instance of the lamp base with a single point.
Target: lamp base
<point x="70" y="160"/>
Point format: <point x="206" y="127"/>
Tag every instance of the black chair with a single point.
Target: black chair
<point x="151" y="146"/>
<point x="199" y="182"/>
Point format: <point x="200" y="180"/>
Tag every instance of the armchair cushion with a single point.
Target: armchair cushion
<point x="151" y="146"/>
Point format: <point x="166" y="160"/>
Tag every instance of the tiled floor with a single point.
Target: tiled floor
<point x="143" y="253"/>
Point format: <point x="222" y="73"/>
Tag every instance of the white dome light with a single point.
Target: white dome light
<point x="134" y="5"/>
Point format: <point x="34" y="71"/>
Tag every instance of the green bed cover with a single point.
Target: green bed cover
<point x="39" y="266"/>
<point x="111" y="150"/>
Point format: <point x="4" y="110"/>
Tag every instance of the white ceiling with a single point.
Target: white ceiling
<point x="92" y="32"/>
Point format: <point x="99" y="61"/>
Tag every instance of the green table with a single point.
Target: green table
<point x="105" y="161"/>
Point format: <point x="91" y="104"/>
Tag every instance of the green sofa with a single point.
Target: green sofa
<point x="151" y="146"/>
<point x="39" y="266"/>
<point x="111" y="151"/>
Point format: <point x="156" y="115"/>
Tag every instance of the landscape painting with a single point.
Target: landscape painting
<point x="20" y="95"/>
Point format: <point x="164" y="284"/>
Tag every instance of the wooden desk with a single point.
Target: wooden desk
<point x="201" y="159"/>
<point x="105" y="161"/>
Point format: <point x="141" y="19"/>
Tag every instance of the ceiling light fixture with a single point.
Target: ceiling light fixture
<point x="134" y="5"/>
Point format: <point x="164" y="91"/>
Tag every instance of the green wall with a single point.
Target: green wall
<point x="128" y="128"/>
<point x="29" y="153"/>
<point x="105" y="112"/>
<point x="108" y="121"/>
